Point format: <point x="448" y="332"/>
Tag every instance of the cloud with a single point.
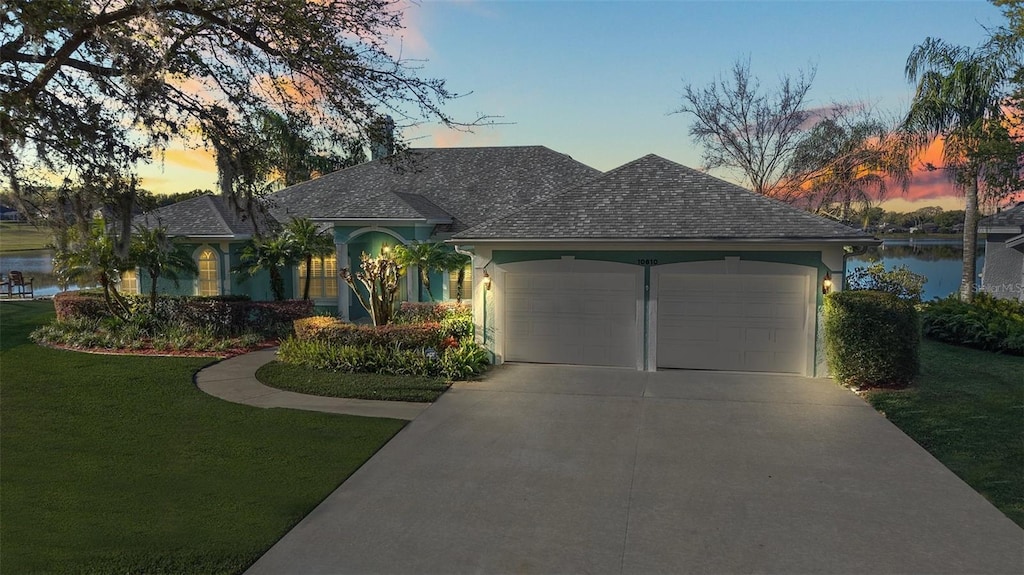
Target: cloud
<point x="197" y="159"/>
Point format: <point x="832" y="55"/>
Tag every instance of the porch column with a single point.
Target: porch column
<point x="412" y="292"/>
<point x="341" y="251"/>
<point x="225" y="289"/>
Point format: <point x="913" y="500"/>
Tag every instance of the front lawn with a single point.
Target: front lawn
<point x="302" y="379"/>
<point x="967" y="409"/>
<point x="114" y="464"/>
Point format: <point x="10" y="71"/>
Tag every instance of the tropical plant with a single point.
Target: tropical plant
<point x="93" y="258"/>
<point x="308" y="242"/>
<point x="271" y="254"/>
<point x="153" y="250"/>
<point x="986" y="323"/>
<point x="378" y="276"/>
<point x="427" y="256"/>
<point x="960" y="99"/>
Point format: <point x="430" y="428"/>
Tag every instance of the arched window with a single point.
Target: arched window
<point x="209" y="273"/>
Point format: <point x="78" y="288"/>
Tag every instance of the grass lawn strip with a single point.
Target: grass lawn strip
<point x="121" y="465"/>
<point x="967" y="409"/>
<point x="15" y="237"/>
<point x="301" y="379"/>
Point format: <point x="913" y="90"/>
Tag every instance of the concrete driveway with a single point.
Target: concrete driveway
<point x="559" y="469"/>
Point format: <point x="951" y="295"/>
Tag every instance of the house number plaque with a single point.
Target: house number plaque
<point x="647" y="262"/>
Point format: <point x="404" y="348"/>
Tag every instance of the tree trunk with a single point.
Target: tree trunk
<point x="425" y="280"/>
<point x="152" y="291"/>
<point x="276" y="283"/>
<point x="970" y="267"/>
<point x="309" y="275"/>
<point x="458" y="289"/>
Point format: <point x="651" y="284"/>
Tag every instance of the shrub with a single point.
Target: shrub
<point x="225" y="315"/>
<point x="872" y="338"/>
<point x="899" y="281"/>
<point x="464" y="361"/>
<point x="338" y="332"/>
<point x="139" y="332"/>
<point x="430" y="312"/>
<point x="75" y="304"/>
<point x="455" y="363"/>
<point x="986" y="323"/>
<point x="316" y="327"/>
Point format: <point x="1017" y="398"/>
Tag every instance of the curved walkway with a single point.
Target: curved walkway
<point x="235" y="380"/>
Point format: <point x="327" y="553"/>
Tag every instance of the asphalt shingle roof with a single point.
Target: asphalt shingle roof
<point x="654" y="198"/>
<point x="463" y="186"/>
<point x="205" y="216"/>
<point x="1011" y="217"/>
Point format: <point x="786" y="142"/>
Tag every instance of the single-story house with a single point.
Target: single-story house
<point x="1003" y="273"/>
<point x="650" y="265"/>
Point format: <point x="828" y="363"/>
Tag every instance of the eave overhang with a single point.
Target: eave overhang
<point x="860" y="241"/>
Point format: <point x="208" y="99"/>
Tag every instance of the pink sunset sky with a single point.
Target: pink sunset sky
<point x="598" y="80"/>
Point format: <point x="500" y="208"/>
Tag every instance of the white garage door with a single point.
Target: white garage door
<point x="733" y="322"/>
<point x="571" y="317"/>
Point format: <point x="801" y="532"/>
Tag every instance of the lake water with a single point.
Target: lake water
<point x="938" y="260"/>
<point x="37" y="264"/>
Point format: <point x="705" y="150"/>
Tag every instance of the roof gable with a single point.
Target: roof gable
<point x="654" y="198"/>
<point x="464" y="186"/>
<point x="204" y="216"/>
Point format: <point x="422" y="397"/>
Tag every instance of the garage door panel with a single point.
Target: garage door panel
<point x="571" y="317"/>
<point x="744" y="322"/>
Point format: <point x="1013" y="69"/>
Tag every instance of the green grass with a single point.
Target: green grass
<point x="15" y="237"/>
<point x="967" y="409"/>
<point x="302" y="379"/>
<point x="115" y="464"/>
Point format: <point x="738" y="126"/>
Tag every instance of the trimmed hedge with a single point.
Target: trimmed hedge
<point x="225" y="315"/>
<point x="334" y="331"/>
<point x="431" y="312"/>
<point x="872" y="339"/>
<point x="79" y="305"/>
<point x="987" y="323"/>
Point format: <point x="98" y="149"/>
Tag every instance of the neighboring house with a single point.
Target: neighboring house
<point x="1003" y="273"/>
<point x="649" y="265"/>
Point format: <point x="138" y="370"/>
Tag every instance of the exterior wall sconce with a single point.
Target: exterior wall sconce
<point x="487" y="280"/>
<point x="826" y="285"/>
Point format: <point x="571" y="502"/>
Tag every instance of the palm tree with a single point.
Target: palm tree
<point x="428" y="256"/>
<point x="93" y="256"/>
<point x="308" y="242"/>
<point x="455" y="262"/>
<point x="269" y="254"/>
<point x="153" y="250"/>
<point x="959" y="99"/>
